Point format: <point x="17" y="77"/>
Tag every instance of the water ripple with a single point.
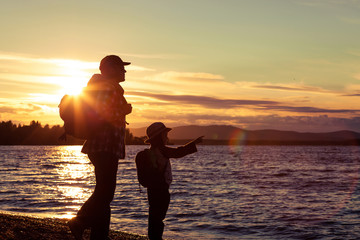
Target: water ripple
<point x="259" y="192"/>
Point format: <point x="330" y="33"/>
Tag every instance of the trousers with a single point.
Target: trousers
<point x="159" y="200"/>
<point x="96" y="213"/>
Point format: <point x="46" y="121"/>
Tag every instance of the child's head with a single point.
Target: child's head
<point x="157" y="134"/>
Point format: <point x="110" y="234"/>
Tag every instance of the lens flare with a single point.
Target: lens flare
<point x="237" y="140"/>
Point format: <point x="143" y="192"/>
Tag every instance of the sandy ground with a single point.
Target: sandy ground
<point x="19" y="227"/>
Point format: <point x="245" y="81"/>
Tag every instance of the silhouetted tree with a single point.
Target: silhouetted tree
<point x="35" y="134"/>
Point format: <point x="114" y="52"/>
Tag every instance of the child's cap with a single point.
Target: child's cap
<point x="155" y="129"/>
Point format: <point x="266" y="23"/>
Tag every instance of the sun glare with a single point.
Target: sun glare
<point x="75" y="77"/>
<point x="73" y="85"/>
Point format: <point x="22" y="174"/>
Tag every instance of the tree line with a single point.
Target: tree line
<point x="36" y="134"/>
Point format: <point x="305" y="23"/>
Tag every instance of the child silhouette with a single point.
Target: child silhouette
<point x="154" y="172"/>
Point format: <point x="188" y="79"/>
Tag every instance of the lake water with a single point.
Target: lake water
<point x="220" y="192"/>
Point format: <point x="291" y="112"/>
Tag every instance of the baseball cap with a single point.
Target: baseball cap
<point x="112" y="60"/>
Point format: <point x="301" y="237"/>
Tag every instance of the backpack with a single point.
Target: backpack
<point x="80" y="119"/>
<point x="148" y="173"/>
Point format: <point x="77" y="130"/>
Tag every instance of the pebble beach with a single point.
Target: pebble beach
<point x="21" y="227"/>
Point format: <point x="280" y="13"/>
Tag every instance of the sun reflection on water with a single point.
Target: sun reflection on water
<point x="75" y="178"/>
<point x="73" y="171"/>
<point x="67" y="215"/>
<point x="76" y="194"/>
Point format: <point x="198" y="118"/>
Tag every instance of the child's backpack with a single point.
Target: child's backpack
<point x="148" y="172"/>
<point x="80" y="119"/>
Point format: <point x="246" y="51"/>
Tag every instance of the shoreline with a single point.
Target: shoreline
<point x="17" y="226"/>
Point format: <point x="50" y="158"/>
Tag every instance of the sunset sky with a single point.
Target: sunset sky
<point x="254" y="64"/>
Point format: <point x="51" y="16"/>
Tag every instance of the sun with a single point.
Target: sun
<point x="73" y="85"/>
<point x="74" y="76"/>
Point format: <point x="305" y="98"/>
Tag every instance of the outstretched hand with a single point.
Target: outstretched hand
<point x="198" y="140"/>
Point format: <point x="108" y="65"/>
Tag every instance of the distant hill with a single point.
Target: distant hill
<point x="214" y="132"/>
<point x="224" y="134"/>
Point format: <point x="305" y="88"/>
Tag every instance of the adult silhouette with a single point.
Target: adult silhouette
<point x="104" y="148"/>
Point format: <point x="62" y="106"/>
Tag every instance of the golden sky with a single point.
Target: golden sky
<point x="259" y="64"/>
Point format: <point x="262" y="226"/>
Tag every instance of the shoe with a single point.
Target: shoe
<point x="76" y="228"/>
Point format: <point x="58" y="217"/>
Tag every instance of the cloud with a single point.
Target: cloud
<point x="4" y="109"/>
<point x="357" y="76"/>
<point x="24" y="113"/>
<point x="188" y="76"/>
<point x="153" y="56"/>
<point x="24" y="108"/>
<point x="352" y="95"/>
<point x="291" y="87"/>
<point x="352" y="90"/>
<point x="52" y="61"/>
<point x="78" y="65"/>
<point x="310" y="109"/>
<point x="217" y="103"/>
<point x="320" y="123"/>
<point x="139" y="68"/>
<point x="13" y="82"/>
<point x="209" y="102"/>
<point x="200" y="97"/>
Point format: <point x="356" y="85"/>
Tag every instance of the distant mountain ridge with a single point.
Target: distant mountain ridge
<point x="225" y="134"/>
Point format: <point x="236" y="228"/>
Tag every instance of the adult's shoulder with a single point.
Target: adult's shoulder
<point x="98" y="82"/>
<point x="95" y="79"/>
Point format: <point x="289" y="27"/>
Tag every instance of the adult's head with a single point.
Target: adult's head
<point x="113" y="67"/>
<point x="157" y="134"/>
